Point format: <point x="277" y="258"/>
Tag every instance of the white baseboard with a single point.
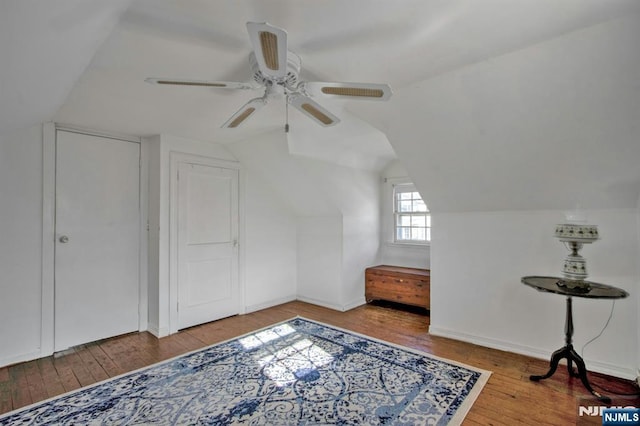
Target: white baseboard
<point x="153" y="329"/>
<point x="28" y="356"/>
<point x="597" y="366"/>
<point x="322" y="303"/>
<point x="269" y="304"/>
<point x="610" y="369"/>
<point x="330" y="305"/>
<point x="156" y="331"/>
<point x="359" y="302"/>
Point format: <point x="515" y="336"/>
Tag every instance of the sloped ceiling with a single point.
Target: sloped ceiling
<point x="551" y="126"/>
<point x="54" y="66"/>
<point x="359" y="40"/>
<point x="308" y="187"/>
<point x="44" y="48"/>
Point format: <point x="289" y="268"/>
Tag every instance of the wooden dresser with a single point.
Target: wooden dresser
<point x="410" y="286"/>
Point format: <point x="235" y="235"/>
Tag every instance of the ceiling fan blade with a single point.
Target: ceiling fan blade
<point x="313" y="110"/>
<point x="245" y="112"/>
<point x="270" y="46"/>
<point x="363" y="91"/>
<point x="201" y="83"/>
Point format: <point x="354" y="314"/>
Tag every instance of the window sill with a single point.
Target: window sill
<point x="407" y="245"/>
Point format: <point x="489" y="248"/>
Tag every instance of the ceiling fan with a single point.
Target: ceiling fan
<point x="276" y="69"/>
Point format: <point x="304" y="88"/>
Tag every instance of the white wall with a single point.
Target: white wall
<point x="20" y="250"/>
<point x="478" y="260"/>
<point x="336" y="209"/>
<point x="360" y="250"/>
<point x="320" y="260"/>
<point x="410" y="256"/>
<point x="354" y="232"/>
<point x="333" y="252"/>
<point x="270" y="247"/>
<point x="355" y="194"/>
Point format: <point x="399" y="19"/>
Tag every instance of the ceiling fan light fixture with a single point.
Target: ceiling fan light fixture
<point x="269" y="44"/>
<point x="353" y="91"/>
<point x="319" y="115"/>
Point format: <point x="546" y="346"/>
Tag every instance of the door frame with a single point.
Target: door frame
<point x="49" y="130"/>
<point x="175" y="158"/>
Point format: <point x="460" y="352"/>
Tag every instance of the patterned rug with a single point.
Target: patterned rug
<point x="298" y="372"/>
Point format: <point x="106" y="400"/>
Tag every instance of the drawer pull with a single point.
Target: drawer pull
<point x="399" y="281"/>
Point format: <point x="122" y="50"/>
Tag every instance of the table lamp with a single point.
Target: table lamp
<point x="574" y="236"/>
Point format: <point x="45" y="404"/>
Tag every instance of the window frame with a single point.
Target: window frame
<point x="407" y="187"/>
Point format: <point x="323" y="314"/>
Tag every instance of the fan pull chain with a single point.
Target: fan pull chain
<point x="286" y="108"/>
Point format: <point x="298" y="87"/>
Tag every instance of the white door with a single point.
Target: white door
<point x="97" y="238"/>
<point x="207" y="244"/>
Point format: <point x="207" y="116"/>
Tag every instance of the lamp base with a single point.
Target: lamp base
<point x="575" y="267"/>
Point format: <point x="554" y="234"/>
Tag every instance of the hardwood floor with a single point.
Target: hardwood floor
<point x="509" y="398"/>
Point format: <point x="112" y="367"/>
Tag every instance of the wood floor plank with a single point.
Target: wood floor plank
<point x="509" y="398"/>
<point x="50" y="378"/>
<point x="20" y="395"/>
<point x="80" y="370"/>
<point x="65" y="373"/>
<point x="124" y="351"/>
<point x="103" y="359"/>
<point x="5" y="390"/>
<point x="37" y="390"/>
<point x="91" y="364"/>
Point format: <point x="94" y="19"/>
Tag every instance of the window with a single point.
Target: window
<point x="412" y="221"/>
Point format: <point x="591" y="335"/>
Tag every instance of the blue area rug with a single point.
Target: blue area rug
<point x="298" y="372"/>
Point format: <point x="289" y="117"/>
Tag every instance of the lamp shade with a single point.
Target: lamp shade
<point x="577" y="233"/>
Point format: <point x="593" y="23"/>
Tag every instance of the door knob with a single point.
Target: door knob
<point x="64" y="239"/>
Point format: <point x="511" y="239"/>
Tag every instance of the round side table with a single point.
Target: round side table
<point x="595" y="291"/>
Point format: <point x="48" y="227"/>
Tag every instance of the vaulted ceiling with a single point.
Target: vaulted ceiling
<point x="84" y="63"/>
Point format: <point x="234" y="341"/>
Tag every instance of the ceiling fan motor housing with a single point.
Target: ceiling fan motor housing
<point x="290" y="81"/>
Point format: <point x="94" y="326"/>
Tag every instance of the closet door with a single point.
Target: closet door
<point x="207" y="244"/>
<point x="97" y="238"/>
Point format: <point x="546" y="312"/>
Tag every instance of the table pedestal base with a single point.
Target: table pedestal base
<point x="571" y="356"/>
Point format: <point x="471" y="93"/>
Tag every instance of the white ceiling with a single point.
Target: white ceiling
<point x="44" y="49"/>
<point x="84" y="62"/>
<point x="399" y="42"/>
